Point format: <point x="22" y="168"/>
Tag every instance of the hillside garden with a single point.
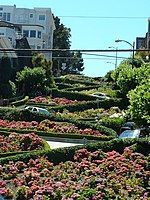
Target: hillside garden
<point x="109" y="168"/>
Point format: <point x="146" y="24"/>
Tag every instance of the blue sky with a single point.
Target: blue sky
<point x="97" y="33"/>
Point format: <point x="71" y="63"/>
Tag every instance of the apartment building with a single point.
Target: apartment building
<point x="144" y="42"/>
<point x="36" y="24"/>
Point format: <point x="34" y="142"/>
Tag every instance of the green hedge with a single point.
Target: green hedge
<point x="20" y="114"/>
<point x="46" y="148"/>
<point x="73" y="81"/>
<point x="81" y="106"/>
<point x="6" y="132"/>
<point x="65" y="154"/>
<point x="83" y="88"/>
<point x="25" y="156"/>
<point x="83" y="124"/>
<point x="72" y="95"/>
<point x="57" y="135"/>
<point x="26" y="115"/>
<point x="20" y="102"/>
<point x="139" y="145"/>
<point x="63" y="85"/>
<point x="13" y="99"/>
<point x="113" y="123"/>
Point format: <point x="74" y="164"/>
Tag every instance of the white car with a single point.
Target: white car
<point x="130" y="134"/>
<point x="100" y="95"/>
<point x="37" y="110"/>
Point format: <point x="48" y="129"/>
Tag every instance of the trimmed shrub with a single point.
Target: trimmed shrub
<point x="61" y="155"/>
<point x="72" y="95"/>
<point x="113" y="123"/>
<point x="82" y="88"/>
<point x="6" y="131"/>
<point x="73" y="81"/>
<point x="81" y="106"/>
<point x="20" y="102"/>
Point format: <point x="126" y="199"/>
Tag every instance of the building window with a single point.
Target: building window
<point x="8" y="16"/>
<point x="33" y="33"/>
<point x="39" y="34"/>
<point x="38" y="47"/>
<point x="1" y="33"/>
<point x="10" y="39"/>
<point x="1" y="8"/>
<point x="1" y="14"/>
<point x="4" y="16"/>
<point x="31" y="15"/>
<point x="32" y="46"/>
<point x="41" y="17"/>
<point x="26" y="33"/>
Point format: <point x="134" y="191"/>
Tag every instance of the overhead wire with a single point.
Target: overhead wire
<point x="102" y="17"/>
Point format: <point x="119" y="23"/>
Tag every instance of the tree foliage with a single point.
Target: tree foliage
<point x="134" y="83"/>
<point x="6" y="69"/>
<point x="7" y="87"/>
<point x="73" y="61"/>
<point x="31" y="80"/>
<point x="127" y="77"/>
<point x="40" y="61"/>
<point x="139" y="98"/>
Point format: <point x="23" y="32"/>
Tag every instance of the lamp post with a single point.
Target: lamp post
<point x="132" y="45"/>
<point x="116" y="55"/>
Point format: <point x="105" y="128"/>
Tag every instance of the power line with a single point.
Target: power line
<point x="103" y="55"/>
<point x="73" y="50"/>
<point x="104" y="17"/>
<point x="71" y="58"/>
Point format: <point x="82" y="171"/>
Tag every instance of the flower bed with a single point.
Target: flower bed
<point x="66" y="128"/>
<point x="91" y="175"/>
<point x="50" y="126"/>
<point x="52" y="101"/>
<point x="89" y="113"/>
<point x="18" y="124"/>
<point x="15" y="142"/>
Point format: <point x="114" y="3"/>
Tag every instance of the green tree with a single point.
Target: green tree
<point x="139" y="108"/>
<point x="40" y="61"/>
<point x="74" y="62"/>
<point x="74" y="65"/>
<point x="31" y="80"/>
<point x="7" y="87"/>
<point x="127" y="77"/>
<point x="6" y="69"/>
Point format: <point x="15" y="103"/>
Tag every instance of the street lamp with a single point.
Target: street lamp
<point x="116" y="54"/>
<point x="132" y="45"/>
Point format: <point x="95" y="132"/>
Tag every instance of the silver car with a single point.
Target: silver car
<point x="130" y="134"/>
<point x="37" y="110"/>
<point x="100" y="95"/>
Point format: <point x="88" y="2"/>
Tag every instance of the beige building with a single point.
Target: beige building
<point x="36" y="24"/>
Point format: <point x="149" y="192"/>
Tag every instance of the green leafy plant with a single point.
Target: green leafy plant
<point x="139" y="108"/>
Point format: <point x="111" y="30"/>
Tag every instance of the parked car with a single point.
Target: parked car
<point x="130" y="134"/>
<point x="100" y="95"/>
<point x="37" y="110"/>
<point x="128" y="126"/>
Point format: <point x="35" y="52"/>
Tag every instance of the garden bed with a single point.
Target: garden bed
<point x="55" y="129"/>
<point x="12" y="143"/>
<point x="90" y="173"/>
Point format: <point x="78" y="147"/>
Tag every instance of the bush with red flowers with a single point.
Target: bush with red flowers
<point x="91" y="175"/>
<point x="15" y="142"/>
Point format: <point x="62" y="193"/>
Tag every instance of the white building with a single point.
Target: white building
<point x="36" y="24"/>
